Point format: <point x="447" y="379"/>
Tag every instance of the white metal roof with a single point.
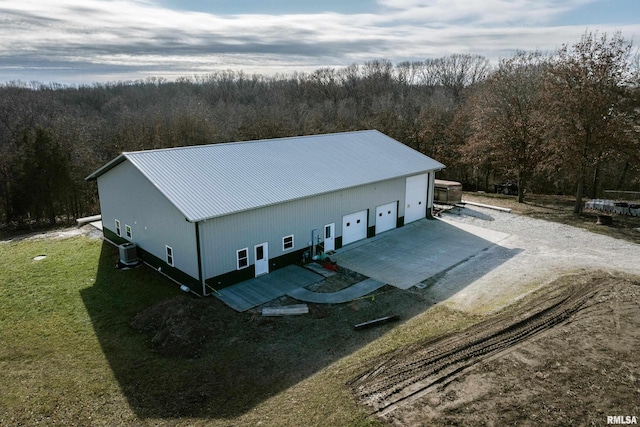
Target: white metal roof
<point x="207" y="181"/>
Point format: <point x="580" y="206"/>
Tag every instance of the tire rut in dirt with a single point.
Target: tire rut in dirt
<point x="410" y="372"/>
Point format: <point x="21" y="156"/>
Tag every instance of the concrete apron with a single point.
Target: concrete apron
<point x="406" y="256"/>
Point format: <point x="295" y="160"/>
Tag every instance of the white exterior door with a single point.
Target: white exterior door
<point x="354" y="227"/>
<point x="261" y="253"/>
<point x="386" y="216"/>
<point x="415" y="198"/>
<point x="329" y="237"/>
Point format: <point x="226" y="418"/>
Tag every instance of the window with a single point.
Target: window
<point x="287" y="243"/>
<point x="242" y="258"/>
<point x="127" y="230"/>
<point x="169" y="255"/>
<point x="118" y="231"/>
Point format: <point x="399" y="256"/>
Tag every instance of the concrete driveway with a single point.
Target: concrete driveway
<point x="406" y="256"/>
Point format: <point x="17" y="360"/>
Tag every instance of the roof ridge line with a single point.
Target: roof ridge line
<point x="155" y="150"/>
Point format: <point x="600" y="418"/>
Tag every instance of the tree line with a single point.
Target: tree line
<point x="565" y="122"/>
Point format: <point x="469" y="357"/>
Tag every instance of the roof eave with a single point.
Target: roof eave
<point x="106" y="168"/>
<point x="203" y="219"/>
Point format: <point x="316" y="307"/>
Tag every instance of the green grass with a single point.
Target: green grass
<point x="52" y="364"/>
<point x="68" y="355"/>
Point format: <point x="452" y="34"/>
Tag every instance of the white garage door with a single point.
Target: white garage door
<point x="354" y="227"/>
<point x="386" y="216"/>
<point x="415" y="198"/>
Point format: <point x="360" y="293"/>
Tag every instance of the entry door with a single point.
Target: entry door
<point x="386" y="216"/>
<point x="329" y="237"/>
<point x="354" y="227"/>
<point x="415" y="198"/>
<point x="261" y="253"/>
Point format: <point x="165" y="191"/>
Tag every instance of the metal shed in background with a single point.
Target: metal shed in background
<point x="214" y="215"/>
<point x="449" y="192"/>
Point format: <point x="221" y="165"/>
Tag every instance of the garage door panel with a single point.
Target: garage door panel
<point x="415" y="198"/>
<point x="386" y="217"/>
<point x="354" y="227"/>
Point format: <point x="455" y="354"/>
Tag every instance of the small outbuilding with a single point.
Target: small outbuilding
<point x="448" y="192"/>
<point x="214" y="215"/>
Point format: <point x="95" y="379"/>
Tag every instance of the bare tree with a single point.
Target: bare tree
<point x="589" y="95"/>
<point x="455" y="72"/>
<point x="508" y="118"/>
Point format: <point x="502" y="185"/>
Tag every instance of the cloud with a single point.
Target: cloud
<point x="86" y="40"/>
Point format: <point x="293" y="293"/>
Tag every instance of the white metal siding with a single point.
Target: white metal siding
<point x="129" y="197"/>
<point x="222" y="236"/>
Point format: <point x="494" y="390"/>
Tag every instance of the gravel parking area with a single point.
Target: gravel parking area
<point x="535" y="253"/>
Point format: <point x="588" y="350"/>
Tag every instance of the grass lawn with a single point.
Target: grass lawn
<point x="68" y="355"/>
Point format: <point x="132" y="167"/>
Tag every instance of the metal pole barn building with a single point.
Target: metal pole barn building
<point x="211" y="216"/>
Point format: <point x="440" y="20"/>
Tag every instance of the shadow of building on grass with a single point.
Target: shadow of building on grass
<point x="246" y="360"/>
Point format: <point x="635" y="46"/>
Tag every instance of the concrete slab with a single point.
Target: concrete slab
<point x="406" y="256"/>
<point x="262" y="289"/>
<point x="358" y="290"/>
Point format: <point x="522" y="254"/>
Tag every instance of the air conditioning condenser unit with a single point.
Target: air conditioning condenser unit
<point x="128" y="254"/>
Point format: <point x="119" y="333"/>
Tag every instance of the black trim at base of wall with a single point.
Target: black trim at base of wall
<point x="113" y="237"/>
<point x="237" y="276"/>
<point x="232" y="277"/>
<point x="157" y="263"/>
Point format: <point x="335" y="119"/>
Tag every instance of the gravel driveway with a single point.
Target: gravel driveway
<point x="535" y="253"/>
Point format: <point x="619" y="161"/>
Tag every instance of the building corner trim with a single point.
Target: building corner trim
<point x="199" y="254"/>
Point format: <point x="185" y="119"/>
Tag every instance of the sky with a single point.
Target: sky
<point x="81" y="42"/>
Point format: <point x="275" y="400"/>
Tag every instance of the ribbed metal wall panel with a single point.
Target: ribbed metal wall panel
<point x="222" y="236"/>
<point x="128" y="196"/>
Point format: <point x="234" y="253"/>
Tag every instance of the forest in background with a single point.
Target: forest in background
<point x="566" y="122"/>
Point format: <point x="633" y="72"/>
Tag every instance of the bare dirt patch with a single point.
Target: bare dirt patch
<point x="178" y="327"/>
<point x="182" y="327"/>
<point x="566" y="355"/>
<point x="342" y="279"/>
<point x="60" y="233"/>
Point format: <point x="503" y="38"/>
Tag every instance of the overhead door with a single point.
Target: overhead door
<point x="386" y="216"/>
<point x="415" y="200"/>
<point x="354" y="227"/>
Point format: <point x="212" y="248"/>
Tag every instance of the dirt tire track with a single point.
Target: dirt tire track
<point x="411" y="372"/>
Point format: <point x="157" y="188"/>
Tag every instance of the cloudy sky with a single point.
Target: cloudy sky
<point x="86" y="41"/>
